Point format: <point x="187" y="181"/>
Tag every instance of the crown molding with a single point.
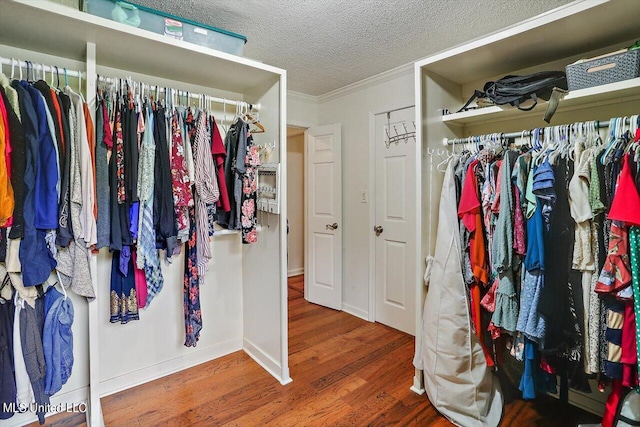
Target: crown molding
<point x="302" y="97"/>
<point x="383" y="77"/>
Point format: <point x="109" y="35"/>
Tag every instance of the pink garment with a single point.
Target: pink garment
<point x="7" y="136"/>
<point x="7" y="148"/>
<point x="107" y="136"/>
<point x="519" y="241"/>
<point x="140" y="281"/>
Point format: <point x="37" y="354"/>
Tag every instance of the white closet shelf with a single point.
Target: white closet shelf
<point x="64" y="31"/>
<point x="578" y="99"/>
<point x="551" y="36"/>
<point x="222" y="232"/>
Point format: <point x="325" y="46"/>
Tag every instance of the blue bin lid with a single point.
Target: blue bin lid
<point x="184" y="20"/>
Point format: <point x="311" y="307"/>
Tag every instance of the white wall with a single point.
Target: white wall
<point x="302" y="110"/>
<point x="295" y="202"/>
<point x="351" y="107"/>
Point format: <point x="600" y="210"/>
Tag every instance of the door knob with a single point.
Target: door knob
<point x="378" y="229"/>
<point x="333" y="226"/>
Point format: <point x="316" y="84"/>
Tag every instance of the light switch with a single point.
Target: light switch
<point x="363" y="196"/>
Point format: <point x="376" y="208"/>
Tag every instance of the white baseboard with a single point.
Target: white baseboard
<point x="295" y="272"/>
<point x="355" y="311"/>
<point x="162" y="369"/>
<point x="266" y="361"/>
<point x="59" y="403"/>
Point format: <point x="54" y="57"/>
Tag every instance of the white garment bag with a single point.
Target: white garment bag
<point x="456" y="377"/>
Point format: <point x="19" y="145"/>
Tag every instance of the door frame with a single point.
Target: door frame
<point x="305" y="206"/>
<point x="372" y="211"/>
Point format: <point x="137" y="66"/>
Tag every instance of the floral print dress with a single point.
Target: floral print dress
<point x="182" y="196"/>
<point x="191" y="291"/>
<point x="248" y="217"/>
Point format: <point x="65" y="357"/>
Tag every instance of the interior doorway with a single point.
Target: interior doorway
<point x="295" y="206"/>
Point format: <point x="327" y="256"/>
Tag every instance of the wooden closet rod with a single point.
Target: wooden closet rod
<point x="502" y="136"/>
<point x="254" y="107"/>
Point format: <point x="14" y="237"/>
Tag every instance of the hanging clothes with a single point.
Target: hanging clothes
<point x="219" y="157"/>
<point x="191" y="291"/>
<point x="506" y="312"/>
<point x="57" y="340"/>
<point x="206" y="190"/>
<point x="33" y="249"/>
<point x="8" y="392"/>
<point x="163" y="209"/>
<point x="18" y="157"/>
<point x="147" y="254"/>
<point x="102" y="174"/>
<point x="248" y="218"/>
<point x="182" y="196"/>
<point x="124" y="303"/>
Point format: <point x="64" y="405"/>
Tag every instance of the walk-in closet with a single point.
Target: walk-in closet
<point x="243" y="295"/>
<point x="319" y="213"/>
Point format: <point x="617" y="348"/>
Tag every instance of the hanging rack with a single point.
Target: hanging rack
<point x="510" y="135"/>
<point x="190" y="95"/>
<point x="41" y="67"/>
<point x="404" y="134"/>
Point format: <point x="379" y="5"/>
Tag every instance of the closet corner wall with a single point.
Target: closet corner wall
<point x="244" y="298"/>
<point x="551" y="41"/>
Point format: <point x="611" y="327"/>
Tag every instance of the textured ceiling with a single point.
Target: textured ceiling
<point x="327" y="44"/>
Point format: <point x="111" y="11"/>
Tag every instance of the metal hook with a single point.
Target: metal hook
<point x="12" y="68"/>
<point x="66" y="77"/>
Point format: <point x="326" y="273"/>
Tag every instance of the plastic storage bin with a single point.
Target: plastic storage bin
<point x="169" y="25"/>
<point x="604" y="69"/>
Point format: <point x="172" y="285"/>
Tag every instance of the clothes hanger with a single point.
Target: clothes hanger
<point x="64" y="291"/>
<point x="254" y="121"/>
<point x="612" y="132"/>
<point x="12" y="68"/>
<point x="224" y="113"/>
<point x="5" y="281"/>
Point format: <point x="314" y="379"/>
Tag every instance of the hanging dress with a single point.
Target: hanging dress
<point x="457" y="380"/>
<point x="191" y="292"/>
<point x="248" y="217"/>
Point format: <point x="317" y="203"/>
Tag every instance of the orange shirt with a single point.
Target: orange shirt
<point x="58" y="113"/>
<point x="91" y="136"/>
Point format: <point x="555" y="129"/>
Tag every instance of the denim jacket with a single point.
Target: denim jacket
<point x="57" y="340"/>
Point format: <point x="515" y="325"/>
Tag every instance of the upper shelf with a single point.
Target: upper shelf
<point x="574" y="29"/>
<point x="577" y="99"/>
<point x="62" y="31"/>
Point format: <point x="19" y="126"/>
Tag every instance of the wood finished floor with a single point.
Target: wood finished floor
<point x="346" y="372"/>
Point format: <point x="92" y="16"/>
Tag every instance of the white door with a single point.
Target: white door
<point x="323" y="258"/>
<point x="395" y="205"/>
